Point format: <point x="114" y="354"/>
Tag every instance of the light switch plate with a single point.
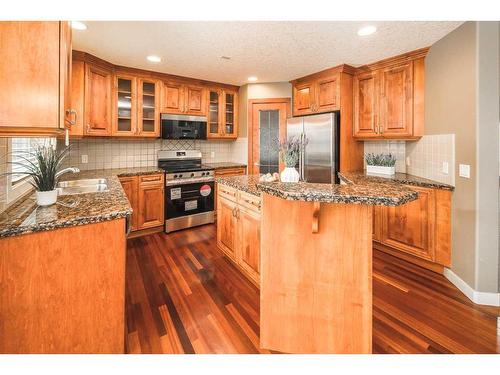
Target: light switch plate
<point x="445" y="168"/>
<point x="212" y="154"/>
<point x="408" y="162"/>
<point x="85" y="159"/>
<point x="464" y="170"/>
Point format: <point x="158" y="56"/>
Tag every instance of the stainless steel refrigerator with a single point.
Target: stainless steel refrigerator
<point x="319" y="159"/>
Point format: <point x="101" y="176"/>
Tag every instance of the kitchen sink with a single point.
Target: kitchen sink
<point x="91" y="185"/>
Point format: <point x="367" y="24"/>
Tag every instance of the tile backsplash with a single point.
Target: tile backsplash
<point x="396" y="148"/>
<point x="428" y="154"/>
<point x="118" y="153"/>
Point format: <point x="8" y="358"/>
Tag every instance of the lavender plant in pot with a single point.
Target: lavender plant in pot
<point x="290" y="150"/>
<point x="43" y="165"/>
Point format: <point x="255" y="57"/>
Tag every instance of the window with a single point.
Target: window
<point x="18" y="151"/>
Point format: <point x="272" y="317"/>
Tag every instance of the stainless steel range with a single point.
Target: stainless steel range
<point x="189" y="189"/>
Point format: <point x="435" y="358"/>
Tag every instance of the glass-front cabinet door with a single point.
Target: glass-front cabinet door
<point x="214" y="113"/>
<point x="126" y="97"/>
<point x="148" y="122"/>
<point x="230" y="123"/>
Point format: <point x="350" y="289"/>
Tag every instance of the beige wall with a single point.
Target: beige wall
<point x="455" y="104"/>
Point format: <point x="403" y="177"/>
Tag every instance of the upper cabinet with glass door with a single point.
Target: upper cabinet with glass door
<point x="222" y="122"/>
<point x="148" y="123"/>
<point x="126" y="104"/>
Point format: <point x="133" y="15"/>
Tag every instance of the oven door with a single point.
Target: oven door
<point x="189" y="199"/>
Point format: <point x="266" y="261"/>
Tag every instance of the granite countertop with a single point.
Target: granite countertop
<point x="361" y="178"/>
<point x="246" y="183"/>
<point x="71" y="210"/>
<point x="374" y="194"/>
<point x="225" y="165"/>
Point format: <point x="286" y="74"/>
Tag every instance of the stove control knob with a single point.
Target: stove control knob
<point x="203" y="173"/>
<point x="180" y="176"/>
<point x="175" y="176"/>
<point x="192" y="174"/>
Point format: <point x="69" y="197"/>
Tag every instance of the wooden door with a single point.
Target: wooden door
<point x="130" y="186"/>
<point x="77" y="97"/>
<point x="303" y="98"/>
<point x="125" y="106"/>
<point x="230" y="115"/>
<point x="396" y="101"/>
<point x="214" y="113"/>
<point x="195" y="100"/>
<point x="148" y="108"/>
<point x="226" y="226"/>
<point x="328" y="94"/>
<point x="255" y="107"/>
<point x="248" y="254"/>
<point x="30" y="76"/>
<point x="67" y="115"/>
<point x="98" y="100"/>
<point x="365" y="92"/>
<point x="151" y="203"/>
<point x="410" y="227"/>
<point x="173" y="98"/>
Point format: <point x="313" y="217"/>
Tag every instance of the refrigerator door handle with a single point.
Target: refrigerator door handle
<point x="302" y="157"/>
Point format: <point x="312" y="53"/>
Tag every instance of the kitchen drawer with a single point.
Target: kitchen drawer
<point x="230" y="171"/>
<point x="227" y="192"/>
<point x="151" y="179"/>
<point x="249" y="201"/>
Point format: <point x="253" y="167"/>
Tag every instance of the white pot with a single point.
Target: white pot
<point x="289" y="174"/>
<point x="375" y="169"/>
<point x="46" y="198"/>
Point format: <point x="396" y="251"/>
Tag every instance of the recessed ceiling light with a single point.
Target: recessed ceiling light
<point x="367" y="30"/>
<point x="154" y="58"/>
<point x="77" y="25"/>
<point x="252" y="79"/>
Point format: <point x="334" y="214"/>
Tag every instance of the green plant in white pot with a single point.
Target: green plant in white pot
<point x="290" y="150"/>
<point x="380" y="164"/>
<point x="43" y="166"/>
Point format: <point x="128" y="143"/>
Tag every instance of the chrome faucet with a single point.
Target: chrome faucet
<point x="67" y="170"/>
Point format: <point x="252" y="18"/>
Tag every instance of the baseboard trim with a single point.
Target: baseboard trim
<point x="481" y="298"/>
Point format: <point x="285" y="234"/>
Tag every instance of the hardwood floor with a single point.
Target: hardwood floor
<point x="184" y="297"/>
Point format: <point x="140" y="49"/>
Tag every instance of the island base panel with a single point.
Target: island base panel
<point x="316" y="288"/>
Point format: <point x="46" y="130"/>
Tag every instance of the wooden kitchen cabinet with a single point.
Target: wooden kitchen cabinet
<point x="98" y="100"/>
<point x="316" y="94"/>
<point x="389" y="98"/>
<point x="35" y="67"/>
<point x="238" y="229"/>
<point x="151" y="202"/>
<point x="77" y="98"/>
<point x="227" y="172"/>
<point x="148" y="108"/>
<point x="419" y="230"/>
<point x="222" y="112"/>
<point x="130" y="186"/>
<point x="146" y="196"/>
<point x="185" y="99"/>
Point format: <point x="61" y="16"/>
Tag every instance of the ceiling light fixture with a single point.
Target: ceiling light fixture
<point x="77" y="25"/>
<point x="367" y="30"/>
<point x="154" y="58"/>
<point x="252" y="79"/>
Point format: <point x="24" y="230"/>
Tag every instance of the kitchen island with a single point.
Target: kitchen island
<point x="316" y="263"/>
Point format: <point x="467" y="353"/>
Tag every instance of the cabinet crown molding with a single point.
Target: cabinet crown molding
<point x="344" y="68"/>
<point x="394" y="60"/>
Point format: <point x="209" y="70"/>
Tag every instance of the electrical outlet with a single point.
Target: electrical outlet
<point x="445" y="168"/>
<point x="464" y="170"/>
<point x="408" y="162"/>
<point x="85" y="159"/>
<point x="212" y="154"/>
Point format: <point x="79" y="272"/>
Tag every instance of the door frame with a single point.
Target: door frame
<point x="250" y="123"/>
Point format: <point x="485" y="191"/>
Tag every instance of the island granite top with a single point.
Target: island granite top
<point x="370" y="194"/>
<point x="25" y="216"/>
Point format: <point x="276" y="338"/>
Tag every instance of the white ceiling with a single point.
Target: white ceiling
<point x="272" y="51"/>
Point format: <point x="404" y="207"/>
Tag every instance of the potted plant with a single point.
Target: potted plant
<point x="380" y="164"/>
<point x="43" y="165"/>
<point x="290" y="150"/>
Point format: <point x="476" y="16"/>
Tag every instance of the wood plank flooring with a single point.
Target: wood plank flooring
<point x="183" y="296"/>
